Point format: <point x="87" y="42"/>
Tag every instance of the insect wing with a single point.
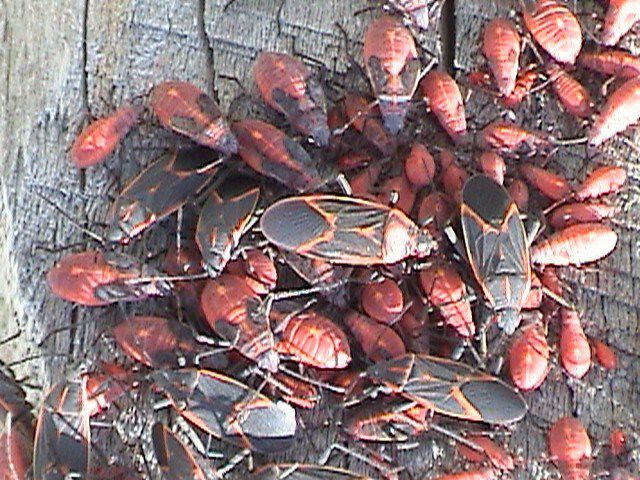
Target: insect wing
<point x="222" y="222"/>
<point x="337" y="229"/>
<point x="175" y="460"/>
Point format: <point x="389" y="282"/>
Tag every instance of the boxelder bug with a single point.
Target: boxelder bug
<point x="621" y="110"/>
<point x="496" y="248"/>
<point x="101" y="137"/>
<point x="573" y="96"/>
<point x="344" y="230"/>
<point x="443" y="97"/>
<point x="378" y="341"/>
<point x="393" y="67"/>
<point x="570" y="448"/>
<point x="159" y="190"/>
<point x="287" y="85"/>
<point x="501" y="47"/>
<point x="229" y="410"/>
<point x="575" y="245"/>
<point x="529" y="357"/>
<point x="94" y="278"/>
<point x="621" y="16"/>
<point x="366" y="120"/>
<point x="383" y="301"/>
<point x="175" y="460"/>
<point x="616" y="63"/>
<point x="575" y="352"/>
<point x="448" y="387"/>
<point x="184" y="108"/>
<point x="224" y="218"/>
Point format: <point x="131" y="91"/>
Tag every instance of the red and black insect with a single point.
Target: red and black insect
<point x="366" y="120"/>
<point x="272" y="153"/>
<point x="393" y="66"/>
<point x="63" y="435"/>
<point x="301" y="471"/>
<point x="419" y="166"/>
<point x="175" y="460"/>
<point x="224" y="218"/>
<point x="287" y="85"/>
<point x="621" y="110"/>
<point x="229" y="410"/>
<point x="344" y="230"/>
<point x="95" y="278"/>
<point x="450" y="388"/>
<point x="159" y="190"/>
<point x="621" y="16"/>
<point x="100" y="138"/>
<point x="184" y="108"/>
<point x="496" y="248"/>
<point x="16" y="430"/>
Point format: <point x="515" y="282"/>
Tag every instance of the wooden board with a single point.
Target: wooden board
<point x="64" y="61"/>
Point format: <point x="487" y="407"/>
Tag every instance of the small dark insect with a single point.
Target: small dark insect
<point x="229" y="410"/>
<point x="618" y="63"/>
<point x="101" y="137"/>
<point x="159" y="190"/>
<point x="393" y="67"/>
<point x="554" y="27"/>
<point x="184" y="108"/>
<point x="497" y="248"/>
<point x="270" y="152"/>
<point x="501" y="47"/>
<point x="63" y="434"/>
<point x="94" y="279"/>
<point x="175" y="460"/>
<point x="224" y="218"/>
<point x="443" y="97"/>
<point x="570" y="448"/>
<point x="621" y="16"/>
<point x="621" y="110"/>
<point x="344" y="230"/>
<point x="450" y="388"/>
<point x="287" y="85"/>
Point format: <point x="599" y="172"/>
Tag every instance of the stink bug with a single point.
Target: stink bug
<point x="229" y="410"/>
<point x="287" y="85"/>
<point x="448" y="387"/>
<point x="621" y="110"/>
<point x="184" y="108"/>
<point x="444" y="99"/>
<point x="175" y="460"/>
<point x="496" y="247"/>
<point x="501" y="47"/>
<point x="554" y="27"/>
<point x="224" y="218"/>
<point x="101" y="137"/>
<point x="344" y="230"/>
<point x="270" y="152"/>
<point x="393" y="67"/>
<point x="621" y="16"/>
<point x="94" y="278"/>
<point x="159" y="190"/>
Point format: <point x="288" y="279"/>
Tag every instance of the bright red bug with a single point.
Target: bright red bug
<point x="481" y="474"/>
<point x="602" y="181"/>
<point x="258" y="271"/>
<point x="295" y="392"/>
<point x="233" y="311"/>
<point x="287" y="85"/>
<point x="363" y="182"/>
<point x="313" y="339"/>
<point x="573" y="96"/>
<point x="501" y="47"/>
<point x="443" y="97"/>
<point x="524" y="83"/>
<point x="493" y="166"/>
<point x="446" y="291"/>
<point x="529" y="357"/>
<point x="272" y="153"/>
<point x="575" y="245"/>
<point x="400" y="188"/>
<point x="383" y="301"/>
<point x="491" y="451"/>
<point x="555" y="28"/>
<point x="436" y="209"/>
<point x="605" y="355"/>
<point x="570" y="448"/>
<point x="621" y="110"/>
<point x="519" y="192"/>
<point x="419" y="166"/>
<point x="393" y="67"/>
<point x="453" y="179"/>
<point x="510" y="139"/>
<point x="618" y="441"/>
<point x="575" y="352"/>
<point x="184" y="108"/>
<point x="94" y="279"/>
<point x="551" y="185"/>
<point x="621" y="16"/>
<point x="572" y="213"/>
<point x="617" y="63"/>
<point x="366" y="120"/>
<point x="100" y="138"/>
<point x="378" y="341"/>
<point x="105" y="386"/>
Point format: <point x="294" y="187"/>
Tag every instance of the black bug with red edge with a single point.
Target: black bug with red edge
<point x="346" y="230"/>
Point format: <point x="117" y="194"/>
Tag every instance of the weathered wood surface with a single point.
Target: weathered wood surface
<point x="62" y="61"/>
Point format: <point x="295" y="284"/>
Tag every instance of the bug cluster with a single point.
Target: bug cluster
<point x="370" y="260"/>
